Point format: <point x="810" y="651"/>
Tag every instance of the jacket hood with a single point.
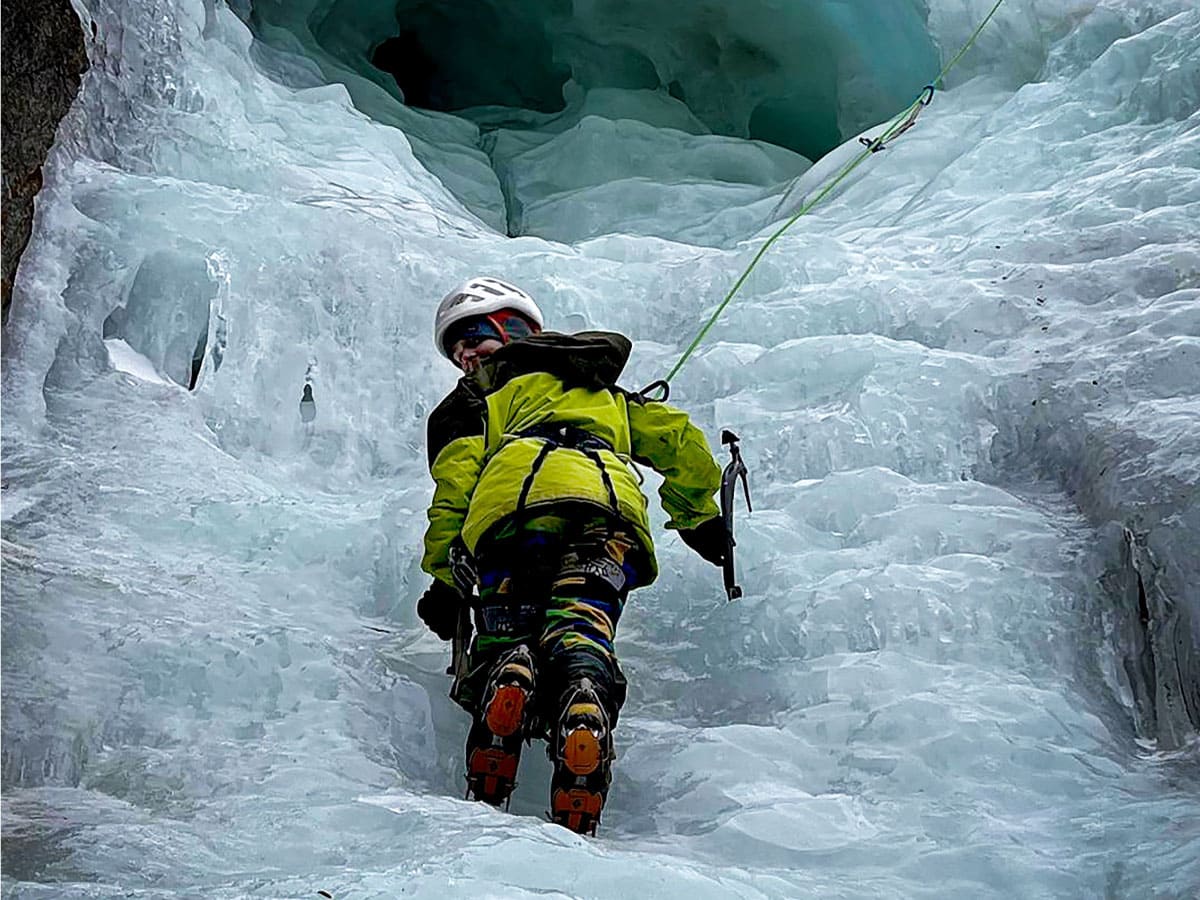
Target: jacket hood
<point x="588" y="359"/>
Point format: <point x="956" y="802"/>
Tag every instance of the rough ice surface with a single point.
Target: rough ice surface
<point x="965" y="664"/>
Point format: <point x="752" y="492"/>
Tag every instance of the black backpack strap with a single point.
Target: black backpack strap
<point x="547" y="446"/>
<point x="594" y="456"/>
<point x="554" y="437"/>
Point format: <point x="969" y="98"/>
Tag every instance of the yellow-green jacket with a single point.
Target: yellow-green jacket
<point x="485" y="470"/>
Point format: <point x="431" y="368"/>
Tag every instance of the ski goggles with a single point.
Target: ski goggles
<point x="503" y="325"/>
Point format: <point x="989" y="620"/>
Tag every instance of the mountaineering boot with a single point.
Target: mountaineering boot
<point x="583" y="755"/>
<point x="494" y="742"/>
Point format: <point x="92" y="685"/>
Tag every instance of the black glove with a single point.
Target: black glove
<point x="439" y="607"/>
<point x="709" y="539"/>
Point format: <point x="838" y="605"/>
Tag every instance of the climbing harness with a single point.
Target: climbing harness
<point x="900" y="124"/>
<point x="555" y="437"/>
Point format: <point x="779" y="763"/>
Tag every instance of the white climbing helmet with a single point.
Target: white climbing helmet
<point x="478" y="297"/>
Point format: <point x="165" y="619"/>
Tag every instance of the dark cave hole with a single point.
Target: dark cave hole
<point x="415" y="71"/>
<point x="789" y="89"/>
<point x="461" y="55"/>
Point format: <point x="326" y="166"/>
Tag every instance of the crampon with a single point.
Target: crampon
<point x="494" y="743"/>
<point x="582" y="755"/>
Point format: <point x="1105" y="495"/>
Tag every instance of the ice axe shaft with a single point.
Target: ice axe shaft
<point x="462" y="567"/>
<point x="734" y="470"/>
<point x="459" y="646"/>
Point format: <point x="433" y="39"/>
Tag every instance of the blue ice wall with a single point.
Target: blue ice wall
<point x="966" y="384"/>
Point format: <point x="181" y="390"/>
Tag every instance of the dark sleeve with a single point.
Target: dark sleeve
<point x="456" y="443"/>
<point x="462" y="414"/>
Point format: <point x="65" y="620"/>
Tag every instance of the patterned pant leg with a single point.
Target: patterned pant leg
<point x="586" y="597"/>
<point x="511" y="608"/>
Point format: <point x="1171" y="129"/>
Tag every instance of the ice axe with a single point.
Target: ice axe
<point x="734" y="470"/>
<point x="462" y="568"/>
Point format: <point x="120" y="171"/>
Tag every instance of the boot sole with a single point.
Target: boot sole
<point x="581" y="752"/>
<point x="506" y="712"/>
<point x="578" y="808"/>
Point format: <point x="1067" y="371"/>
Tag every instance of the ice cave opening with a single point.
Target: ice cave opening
<point x="491" y="89"/>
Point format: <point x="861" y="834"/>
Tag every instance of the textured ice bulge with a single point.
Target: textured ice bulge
<point x="966" y="385"/>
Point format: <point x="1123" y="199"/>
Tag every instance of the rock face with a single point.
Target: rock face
<point x="44" y="56"/>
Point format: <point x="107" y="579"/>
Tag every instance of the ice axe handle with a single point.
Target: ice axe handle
<point x="460" y="644"/>
<point x="734" y="470"/>
<point x="462" y="568"/>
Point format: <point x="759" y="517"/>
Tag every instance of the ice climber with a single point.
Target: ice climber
<point x="537" y="509"/>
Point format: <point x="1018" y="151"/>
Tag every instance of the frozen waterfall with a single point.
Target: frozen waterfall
<point x="968" y="387"/>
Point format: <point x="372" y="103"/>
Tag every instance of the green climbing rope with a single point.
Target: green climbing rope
<point x="895" y="128"/>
